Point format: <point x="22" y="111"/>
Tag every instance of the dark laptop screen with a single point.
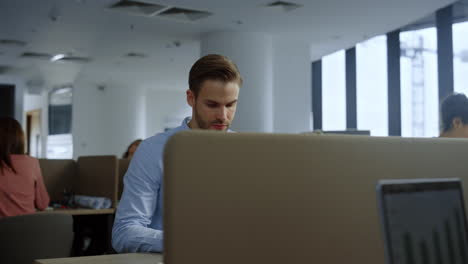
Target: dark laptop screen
<point x="424" y="221"/>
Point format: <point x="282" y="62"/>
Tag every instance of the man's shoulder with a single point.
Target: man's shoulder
<point x="157" y="142"/>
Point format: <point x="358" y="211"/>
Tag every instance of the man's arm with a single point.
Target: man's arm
<point x="142" y="183"/>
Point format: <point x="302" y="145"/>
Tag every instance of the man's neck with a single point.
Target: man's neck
<point x="192" y="124"/>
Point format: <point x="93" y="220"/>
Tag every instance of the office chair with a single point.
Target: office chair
<point x="37" y="236"/>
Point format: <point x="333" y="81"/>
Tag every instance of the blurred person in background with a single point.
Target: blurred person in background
<point x="22" y="188"/>
<point x="131" y="149"/>
<point x="454" y="116"/>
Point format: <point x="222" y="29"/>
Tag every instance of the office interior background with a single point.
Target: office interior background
<point x="89" y="77"/>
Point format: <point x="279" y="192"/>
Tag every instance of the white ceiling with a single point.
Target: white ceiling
<point x="88" y="28"/>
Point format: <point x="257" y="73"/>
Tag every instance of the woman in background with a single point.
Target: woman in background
<point x="131" y="149"/>
<point x="22" y="189"/>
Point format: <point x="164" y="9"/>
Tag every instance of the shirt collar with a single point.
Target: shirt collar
<point x="186" y="122"/>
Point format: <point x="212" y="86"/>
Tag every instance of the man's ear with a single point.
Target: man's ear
<point x="190" y="97"/>
<point x="457" y="122"/>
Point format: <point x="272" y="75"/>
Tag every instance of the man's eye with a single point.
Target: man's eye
<point x="212" y="105"/>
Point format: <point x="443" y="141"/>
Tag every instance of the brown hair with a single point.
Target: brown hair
<point x="11" y="141"/>
<point x="213" y="67"/>
<point x="125" y="155"/>
<point x="453" y="106"/>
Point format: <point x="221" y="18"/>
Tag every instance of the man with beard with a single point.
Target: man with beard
<point x="214" y="83"/>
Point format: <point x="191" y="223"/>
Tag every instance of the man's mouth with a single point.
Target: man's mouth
<point x="218" y="126"/>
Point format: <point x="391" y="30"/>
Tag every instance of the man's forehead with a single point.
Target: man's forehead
<point x="220" y="100"/>
<point x="214" y="83"/>
<point x="219" y="89"/>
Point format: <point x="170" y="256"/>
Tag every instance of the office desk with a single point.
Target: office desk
<point x="79" y="211"/>
<point x="133" y="258"/>
<point x="100" y="221"/>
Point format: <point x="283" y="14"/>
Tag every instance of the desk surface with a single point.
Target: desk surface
<point x="133" y="258"/>
<point x="78" y="211"/>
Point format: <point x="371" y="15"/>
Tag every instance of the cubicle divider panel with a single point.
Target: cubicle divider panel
<point x="97" y="176"/>
<point x="58" y="176"/>
<point x="265" y="198"/>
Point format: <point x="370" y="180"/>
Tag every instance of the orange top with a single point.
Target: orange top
<point x="23" y="192"/>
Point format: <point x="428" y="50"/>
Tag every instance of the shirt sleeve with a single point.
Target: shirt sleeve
<point x="41" y="197"/>
<point x="142" y="183"/>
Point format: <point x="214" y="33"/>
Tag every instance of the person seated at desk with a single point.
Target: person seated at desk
<point x="454" y="115"/>
<point x="214" y="83"/>
<point x="22" y="188"/>
<point x="131" y="149"/>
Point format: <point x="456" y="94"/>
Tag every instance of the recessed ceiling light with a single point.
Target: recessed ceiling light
<point x="57" y="57"/>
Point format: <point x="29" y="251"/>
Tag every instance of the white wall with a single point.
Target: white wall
<point x="165" y="109"/>
<point x="106" y="121"/>
<point x="292" y="86"/>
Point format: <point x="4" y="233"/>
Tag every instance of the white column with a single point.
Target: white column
<point x="253" y="54"/>
<point x="292" y="86"/>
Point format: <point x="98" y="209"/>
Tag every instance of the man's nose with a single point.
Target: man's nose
<point x="222" y="113"/>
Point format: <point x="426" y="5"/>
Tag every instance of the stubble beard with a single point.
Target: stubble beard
<point x="202" y="124"/>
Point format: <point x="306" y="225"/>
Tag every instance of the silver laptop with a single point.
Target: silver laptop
<point x="423" y="221"/>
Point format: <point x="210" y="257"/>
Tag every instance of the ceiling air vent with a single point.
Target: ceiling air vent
<point x="136" y="55"/>
<point x="137" y="7"/>
<point x="36" y="55"/>
<point x="285" y="6"/>
<point x="184" y="14"/>
<point x="12" y="43"/>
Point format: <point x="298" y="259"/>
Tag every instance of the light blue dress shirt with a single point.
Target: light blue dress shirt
<point x="138" y="220"/>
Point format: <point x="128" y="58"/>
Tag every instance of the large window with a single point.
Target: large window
<point x="460" y="60"/>
<point x="60" y="140"/>
<point x="372" y="98"/>
<point x="334" y="91"/>
<point x="419" y="89"/>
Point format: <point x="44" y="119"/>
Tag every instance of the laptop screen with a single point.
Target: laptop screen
<point x="424" y="221"/>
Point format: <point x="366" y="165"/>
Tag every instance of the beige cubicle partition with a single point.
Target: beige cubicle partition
<point x="90" y="175"/>
<point x="58" y="176"/>
<point x="265" y="198"/>
<point x="97" y="176"/>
